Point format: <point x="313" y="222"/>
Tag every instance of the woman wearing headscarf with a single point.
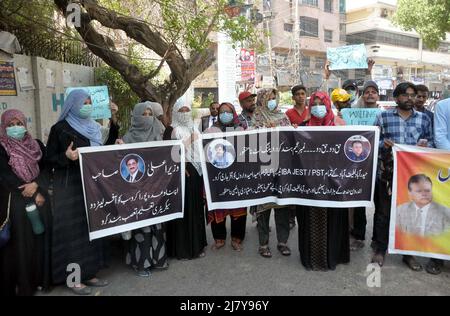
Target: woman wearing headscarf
<point x="158" y="112"/>
<point x="25" y="258"/>
<point x="146" y="247"/>
<point x="267" y="115"/>
<point x="75" y="128"/>
<point x="228" y="121"/>
<point x="323" y="234"/>
<point x="186" y="237"/>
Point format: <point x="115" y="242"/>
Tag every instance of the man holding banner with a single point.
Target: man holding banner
<point x="403" y="125"/>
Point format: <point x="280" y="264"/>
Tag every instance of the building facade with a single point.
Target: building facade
<point x="399" y="55"/>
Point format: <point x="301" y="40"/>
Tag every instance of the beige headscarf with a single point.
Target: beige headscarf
<point x="263" y="117"/>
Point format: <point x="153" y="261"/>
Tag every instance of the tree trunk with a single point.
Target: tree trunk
<point x="183" y="71"/>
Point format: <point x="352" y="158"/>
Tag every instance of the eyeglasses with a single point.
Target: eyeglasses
<point x="406" y="95"/>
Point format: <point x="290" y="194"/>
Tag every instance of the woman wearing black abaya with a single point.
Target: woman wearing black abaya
<point x="186" y="237"/>
<point x="75" y="129"/>
<point x="323" y="234"/>
<point x="25" y="258"/>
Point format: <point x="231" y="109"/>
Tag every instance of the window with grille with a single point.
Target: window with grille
<point x="328" y="36"/>
<point x="320" y="62"/>
<point x="288" y="27"/>
<point x="314" y="3"/>
<point x="305" y="62"/>
<point x="309" y="26"/>
<point x="328" y="6"/>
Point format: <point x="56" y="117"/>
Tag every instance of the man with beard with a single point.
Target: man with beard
<point x="248" y="104"/>
<point x="402" y="125"/>
<point x="421" y="98"/>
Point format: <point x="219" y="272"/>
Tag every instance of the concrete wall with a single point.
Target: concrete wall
<point x="42" y="105"/>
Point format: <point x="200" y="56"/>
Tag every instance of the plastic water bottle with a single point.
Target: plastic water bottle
<point x="35" y="219"/>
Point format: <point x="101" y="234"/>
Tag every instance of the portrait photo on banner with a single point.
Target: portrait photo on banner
<point x="221" y="153"/>
<point x="420" y="218"/>
<point x="357" y="148"/>
<point x="132" y="168"/>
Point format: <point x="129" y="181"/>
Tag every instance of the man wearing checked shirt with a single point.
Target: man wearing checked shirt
<point x="406" y="126"/>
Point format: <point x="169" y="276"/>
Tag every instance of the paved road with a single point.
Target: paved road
<point x="226" y="272"/>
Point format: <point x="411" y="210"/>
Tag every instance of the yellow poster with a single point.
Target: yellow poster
<point x="420" y="215"/>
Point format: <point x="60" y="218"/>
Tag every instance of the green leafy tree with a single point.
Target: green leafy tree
<point x="429" y="18"/>
<point x="178" y="32"/>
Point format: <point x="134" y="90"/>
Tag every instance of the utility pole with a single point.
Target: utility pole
<point x="269" y="46"/>
<point x="298" y="77"/>
<point x="267" y="17"/>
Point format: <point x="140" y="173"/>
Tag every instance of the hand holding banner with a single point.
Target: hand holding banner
<point x="132" y="186"/>
<point x="347" y="57"/>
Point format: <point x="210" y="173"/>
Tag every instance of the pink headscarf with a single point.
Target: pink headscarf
<point x="24" y="155"/>
<point x="328" y="120"/>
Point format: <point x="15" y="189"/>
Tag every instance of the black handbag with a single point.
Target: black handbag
<point x="5" y="229"/>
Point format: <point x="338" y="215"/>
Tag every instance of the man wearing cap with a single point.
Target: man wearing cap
<point x="368" y="99"/>
<point x="248" y="103"/>
<point x="402" y="125"/>
<point x="351" y="86"/>
<point x="370" y="95"/>
<point x="341" y="100"/>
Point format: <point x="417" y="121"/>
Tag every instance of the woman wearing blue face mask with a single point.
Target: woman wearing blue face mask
<point x="267" y="113"/>
<point x="228" y="121"/>
<point x="75" y="128"/>
<point x="323" y="234"/>
<point x="25" y="258"/>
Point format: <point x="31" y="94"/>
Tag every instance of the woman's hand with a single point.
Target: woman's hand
<point x="29" y="189"/>
<point x="72" y="154"/>
<point x="40" y="200"/>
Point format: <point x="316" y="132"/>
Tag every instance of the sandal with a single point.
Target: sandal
<point x="434" y="266"/>
<point x="218" y="244"/>
<point x="411" y="262"/>
<point x="264" y="251"/>
<point x="285" y="251"/>
<point x="236" y="244"/>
